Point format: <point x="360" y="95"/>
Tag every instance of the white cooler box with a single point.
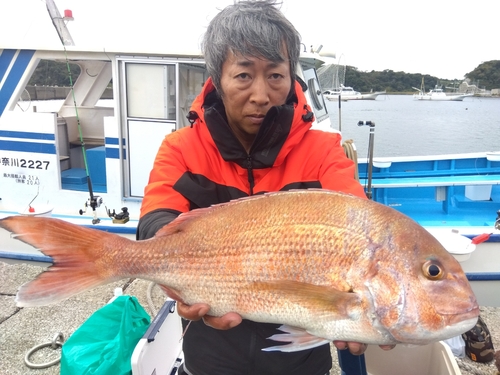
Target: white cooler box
<point x="159" y="352"/>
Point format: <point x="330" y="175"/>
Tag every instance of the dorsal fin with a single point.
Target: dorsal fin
<point x="178" y="224"/>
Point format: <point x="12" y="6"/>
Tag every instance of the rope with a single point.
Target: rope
<point x="351" y="153"/>
<point x="469" y="368"/>
<point x="57" y="342"/>
<point x="151" y="304"/>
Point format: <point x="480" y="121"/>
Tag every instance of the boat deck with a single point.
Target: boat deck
<point x="430" y="213"/>
<point x="23" y="328"/>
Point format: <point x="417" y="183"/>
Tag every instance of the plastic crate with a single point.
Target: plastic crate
<point x="433" y="359"/>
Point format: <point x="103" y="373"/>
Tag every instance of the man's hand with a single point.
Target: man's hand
<point x="199" y="311"/>
<point x="357" y="348"/>
<point x="230" y="320"/>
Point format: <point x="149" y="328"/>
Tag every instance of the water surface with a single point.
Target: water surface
<point x="408" y="127"/>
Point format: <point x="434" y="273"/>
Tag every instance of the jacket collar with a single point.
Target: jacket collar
<point x="283" y="127"/>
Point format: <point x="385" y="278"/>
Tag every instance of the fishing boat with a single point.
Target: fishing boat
<point x="438" y="94"/>
<point x="455" y="197"/>
<point x="346" y="93"/>
<point x="86" y="159"/>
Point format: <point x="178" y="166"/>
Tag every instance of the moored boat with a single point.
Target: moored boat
<point x="43" y="170"/>
<point x="450" y="195"/>
<point x="346" y="93"/>
<point x="438" y="94"/>
<point x="85" y="156"/>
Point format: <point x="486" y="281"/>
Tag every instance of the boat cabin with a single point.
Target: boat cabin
<point x="96" y="145"/>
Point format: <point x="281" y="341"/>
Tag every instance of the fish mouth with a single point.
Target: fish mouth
<point x="472" y="314"/>
<point x="460" y="309"/>
<point x="460" y="326"/>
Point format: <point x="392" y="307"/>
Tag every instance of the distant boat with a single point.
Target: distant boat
<point x="348" y="93"/>
<point x="438" y="94"/>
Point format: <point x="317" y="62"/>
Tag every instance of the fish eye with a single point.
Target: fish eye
<point x="432" y="270"/>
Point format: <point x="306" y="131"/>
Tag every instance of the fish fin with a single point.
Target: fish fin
<point x="75" y="251"/>
<point x="181" y="221"/>
<point x="327" y="300"/>
<point x="172" y="293"/>
<point x="297" y="338"/>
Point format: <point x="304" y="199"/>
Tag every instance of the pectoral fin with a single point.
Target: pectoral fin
<point x="321" y="301"/>
<point x="297" y="338"/>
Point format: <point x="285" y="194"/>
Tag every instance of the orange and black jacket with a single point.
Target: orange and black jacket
<point x="205" y="164"/>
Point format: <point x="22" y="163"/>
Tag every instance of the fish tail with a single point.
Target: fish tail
<point x="80" y="259"/>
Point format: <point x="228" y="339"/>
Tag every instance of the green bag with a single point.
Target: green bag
<point x="104" y="343"/>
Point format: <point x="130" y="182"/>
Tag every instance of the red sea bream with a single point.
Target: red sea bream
<point x="333" y="265"/>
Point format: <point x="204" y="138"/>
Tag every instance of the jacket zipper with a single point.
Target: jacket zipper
<point x="250" y="174"/>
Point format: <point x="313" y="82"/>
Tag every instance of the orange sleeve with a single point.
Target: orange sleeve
<point x="337" y="170"/>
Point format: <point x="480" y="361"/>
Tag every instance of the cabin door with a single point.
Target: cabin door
<point x="156" y="100"/>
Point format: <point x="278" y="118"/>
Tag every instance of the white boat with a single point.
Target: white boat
<point x="85" y="158"/>
<point x="438" y="94"/>
<point x="348" y="93"/>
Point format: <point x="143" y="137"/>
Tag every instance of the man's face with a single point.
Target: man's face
<point x="250" y="87"/>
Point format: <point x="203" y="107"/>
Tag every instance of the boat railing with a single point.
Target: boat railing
<point x="434" y="168"/>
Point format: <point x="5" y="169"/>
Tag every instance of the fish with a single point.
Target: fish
<point x="323" y="264"/>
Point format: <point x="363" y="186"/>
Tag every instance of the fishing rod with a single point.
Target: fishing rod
<point x="371" y="140"/>
<point x="94" y="201"/>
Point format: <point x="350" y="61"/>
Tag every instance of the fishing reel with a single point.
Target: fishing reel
<point x="93" y="202"/>
<point x="121" y="217"/>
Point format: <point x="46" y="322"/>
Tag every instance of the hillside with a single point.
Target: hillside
<point x="485" y="76"/>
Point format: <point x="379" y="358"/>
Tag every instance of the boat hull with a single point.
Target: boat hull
<point x="358" y="96"/>
<point x="453" y="98"/>
<point x="457" y="193"/>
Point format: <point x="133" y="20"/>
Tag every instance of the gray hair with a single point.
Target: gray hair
<point x="251" y="28"/>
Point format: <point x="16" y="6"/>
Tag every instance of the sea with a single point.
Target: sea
<point x="408" y="127"/>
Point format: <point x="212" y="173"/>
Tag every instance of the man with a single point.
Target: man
<point x="250" y="134"/>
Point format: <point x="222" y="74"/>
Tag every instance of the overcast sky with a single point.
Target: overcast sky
<point x="443" y="38"/>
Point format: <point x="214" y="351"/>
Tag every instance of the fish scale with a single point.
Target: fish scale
<point x="332" y="265"/>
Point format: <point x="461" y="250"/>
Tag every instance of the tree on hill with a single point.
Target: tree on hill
<point x="487" y="75"/>
<point x="53" y="73"/>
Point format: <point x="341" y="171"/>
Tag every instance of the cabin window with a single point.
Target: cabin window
<point x="191" y="80"/>
<point x="316" y="97"/>
<point x="151" y="91"/>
